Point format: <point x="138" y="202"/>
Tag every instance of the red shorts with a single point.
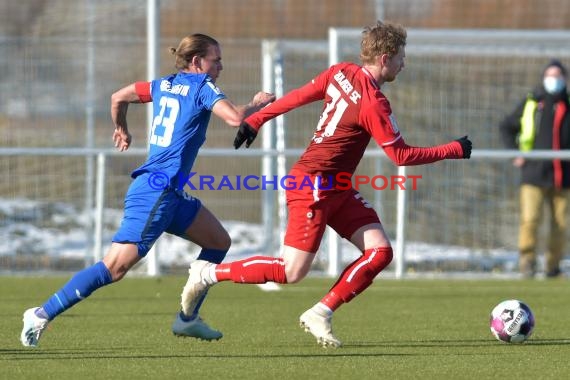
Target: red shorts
<point x="311" y="210"/>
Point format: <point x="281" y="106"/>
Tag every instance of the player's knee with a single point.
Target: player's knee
<point x="120" y="259"/>
<point x="380" y="258"/>
<point x="226" y="242"/>
<point x="295" y="275"/>
<point x="294" y="278"/>
<point x="221" y="242"/>
<point x="118" y="272"/>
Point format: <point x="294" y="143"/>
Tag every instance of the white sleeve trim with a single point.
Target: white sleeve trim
<point x="392" y="141"/>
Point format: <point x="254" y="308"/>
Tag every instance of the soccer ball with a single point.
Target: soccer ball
<point x="512" y="321"/>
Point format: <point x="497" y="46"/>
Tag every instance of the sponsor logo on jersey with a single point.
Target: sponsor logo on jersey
<point x="214" y="88"/>
<point x="179" y="89"/>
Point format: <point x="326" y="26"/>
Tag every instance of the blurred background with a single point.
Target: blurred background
<point x="60" y="61"/>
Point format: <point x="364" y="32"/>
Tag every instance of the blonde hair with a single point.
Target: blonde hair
<point x="383" y="38"/>
<point x="192" y="46"/>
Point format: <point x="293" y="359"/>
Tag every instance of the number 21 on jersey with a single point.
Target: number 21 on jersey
<point x="337" y="105"/>
<point x="163" y="123"/>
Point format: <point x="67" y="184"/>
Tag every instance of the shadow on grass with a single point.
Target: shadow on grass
<point x="25" y="355"/>
<point x="459" y="343"/>
<point x="71" y="315"/>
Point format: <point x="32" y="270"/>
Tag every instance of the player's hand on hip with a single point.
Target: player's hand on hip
<point x="122" y="139"/>
<point x="466" y="146"/>
<point x="246" y="133"/>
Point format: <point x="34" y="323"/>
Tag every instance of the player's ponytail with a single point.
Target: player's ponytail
<point x="190" y="47"/>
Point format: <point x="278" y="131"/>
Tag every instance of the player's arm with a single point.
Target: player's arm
<point x="403" y="154"/>
<point x="296" y="98"/>
<point x="234" y="115"/>
<point x="138" y="92"/>
<point x="381" y="123"/>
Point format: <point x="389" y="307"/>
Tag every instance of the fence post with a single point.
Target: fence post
<point x="268" y="141"/>
<point x="153" y="68"/>
<point x="99" y="207"/>
<point x="335" y="252"/>
<point x="401" y="227"/>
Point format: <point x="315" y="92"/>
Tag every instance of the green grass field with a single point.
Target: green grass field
<point x="413" y="329"/>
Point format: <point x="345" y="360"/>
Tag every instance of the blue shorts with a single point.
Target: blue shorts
<point x="150" y="212"/>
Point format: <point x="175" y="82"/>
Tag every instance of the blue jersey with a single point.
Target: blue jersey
<point x="182" y="106"/>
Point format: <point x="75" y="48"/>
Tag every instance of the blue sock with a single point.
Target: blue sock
<point x="81" y="285"/>
<point x="215" y="256"/>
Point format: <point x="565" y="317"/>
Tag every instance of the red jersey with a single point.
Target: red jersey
<point x="354" y="111"/>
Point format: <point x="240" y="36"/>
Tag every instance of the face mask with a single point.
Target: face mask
<point x="553" y="85"/>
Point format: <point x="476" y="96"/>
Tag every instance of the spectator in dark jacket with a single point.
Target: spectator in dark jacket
<point x="542" y="121"/>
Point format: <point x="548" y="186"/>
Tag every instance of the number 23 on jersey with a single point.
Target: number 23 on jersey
<point x="163" y="123"/>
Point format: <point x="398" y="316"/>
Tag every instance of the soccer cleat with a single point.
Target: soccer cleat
<point x="196" y="286"/>
<point x="34" y="326"/>
<point x="195" y="328"/>
<point x="321" y="328"/>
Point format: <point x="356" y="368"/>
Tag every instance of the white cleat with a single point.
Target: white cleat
<point x="321" y="328"/>
<point x="195" y="328"/>
<point x="34" y="326"/>
<point x="195" y="287"/>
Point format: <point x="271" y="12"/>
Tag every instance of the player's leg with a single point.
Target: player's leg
<point x="145" y="213"/>
<point x="305" y="228"/>
<point x="531" y="204"/>
<point x="292" y="267"/>
<point x="372" y="241"/>
<point x="117" y="262"/>
<point x="356" y="277"/>
<point x="354" y="219"/>
<point x="558" y="203"/>
<point x="205" y="230"/>
<point x="203" y="274"/>
<point x="113" y="267"/>
<point x="254" y="270"/>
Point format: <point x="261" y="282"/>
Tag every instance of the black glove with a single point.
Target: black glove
<point x="466" y="146"/>
<point x="246" y="134"/>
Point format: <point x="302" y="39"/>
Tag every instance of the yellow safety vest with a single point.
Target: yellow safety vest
<point x="528" y="128"/>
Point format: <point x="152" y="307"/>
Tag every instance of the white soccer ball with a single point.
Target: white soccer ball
<point x="512" y="321"/>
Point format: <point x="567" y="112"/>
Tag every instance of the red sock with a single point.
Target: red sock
<point x="358" y="276"/>
<point x="254" y="270"/>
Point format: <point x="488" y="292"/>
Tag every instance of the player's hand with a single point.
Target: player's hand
<point x="122" y="139"/>
<point x="261" y="99"/>
<point x="246" y="133"/>
<point x="466" y="146"/>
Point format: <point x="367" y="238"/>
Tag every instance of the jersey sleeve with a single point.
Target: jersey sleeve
<point x="143" y="90"/>
<point x="380" y="123"/>
<point x="210" y="94"/>
<point x="310" y="92"/>
<point x="403" y="154"/>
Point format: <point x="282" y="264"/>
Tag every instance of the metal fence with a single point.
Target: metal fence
<point x="61" y="59"/>
<point x="49" y="232"/>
